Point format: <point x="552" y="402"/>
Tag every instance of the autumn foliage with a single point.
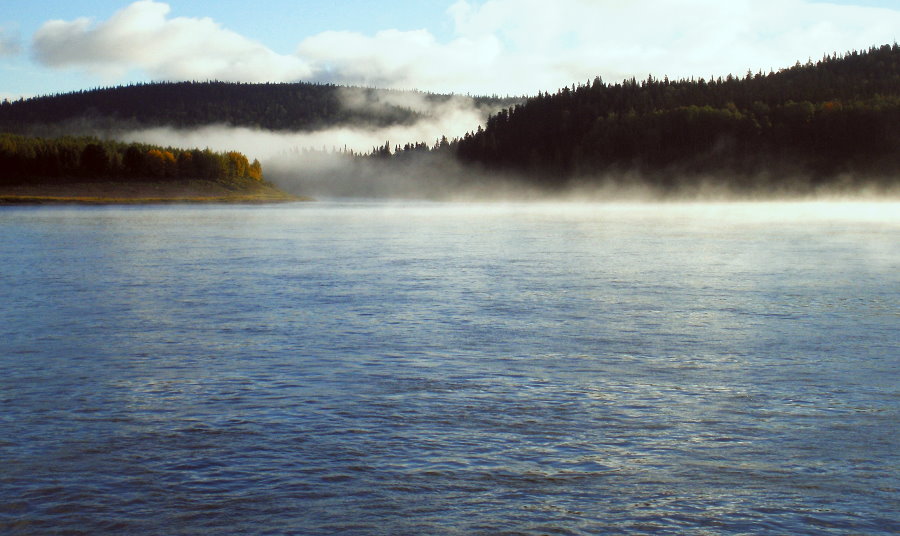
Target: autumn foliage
<point x="24" y="158"/>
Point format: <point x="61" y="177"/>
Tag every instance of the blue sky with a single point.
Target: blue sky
<point x="466" y="46"/>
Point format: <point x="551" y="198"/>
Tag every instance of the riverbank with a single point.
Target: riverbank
<point x="133" y="193"/>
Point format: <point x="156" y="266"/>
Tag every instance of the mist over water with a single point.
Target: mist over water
<point x="439" y="176"/>
<point x="319" y="162"/>
<point x="438" y="116"/>
<point x="451" y="368"/>
<point x="325" y="162"/>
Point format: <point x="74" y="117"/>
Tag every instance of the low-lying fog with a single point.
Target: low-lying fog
<point x="319" y="164"/>
<point x="450" y="116"/>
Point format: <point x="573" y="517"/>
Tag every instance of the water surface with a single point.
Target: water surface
<point x="419" y="368"/>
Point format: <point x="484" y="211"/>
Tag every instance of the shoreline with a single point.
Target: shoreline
<point x="7" y="200"/>
<point x="142" y="193"/>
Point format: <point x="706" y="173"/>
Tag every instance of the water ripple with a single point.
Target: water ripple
<point x="345" y="369"/>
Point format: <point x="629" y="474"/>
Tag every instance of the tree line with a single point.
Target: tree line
<point x="78" y="158"/>
<point x="836" y="117"/>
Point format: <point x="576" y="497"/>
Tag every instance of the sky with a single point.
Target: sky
<point x="502" y="47"/>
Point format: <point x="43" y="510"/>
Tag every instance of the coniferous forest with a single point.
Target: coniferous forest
<point x="284" y="106"/>
<point x="836" y="120"/>
<point x="188" y="104"/>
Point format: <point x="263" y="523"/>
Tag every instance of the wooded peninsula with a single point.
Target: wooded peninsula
<point x="84" y="169"/>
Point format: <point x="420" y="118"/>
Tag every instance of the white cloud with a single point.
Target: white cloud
<point x="141" y="37"/>
<point x="499" y="46"/>
<point x="546" y="44"/>
<point x="523" y="46"/>
<point x="405" y="60"/>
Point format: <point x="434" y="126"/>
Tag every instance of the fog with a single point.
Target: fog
<point x="438" y="175"/>
<point x="319" y="162"/>
<point x="451" y="116"/>
<point x="328" y="164"/>
<point x="434" y="176"/>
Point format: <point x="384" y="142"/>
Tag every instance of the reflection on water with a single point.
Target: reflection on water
<point x="379" y="368"/>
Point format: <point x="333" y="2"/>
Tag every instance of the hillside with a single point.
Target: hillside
<point x="834" y="120"/>
<point x="284" y="106"/>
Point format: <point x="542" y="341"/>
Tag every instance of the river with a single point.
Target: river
<point x="449" y="368"/>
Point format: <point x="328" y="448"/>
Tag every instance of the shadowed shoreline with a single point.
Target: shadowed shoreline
<point x="137" y="193"/>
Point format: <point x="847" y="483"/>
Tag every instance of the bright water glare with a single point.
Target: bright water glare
<point x="427" y="368"/>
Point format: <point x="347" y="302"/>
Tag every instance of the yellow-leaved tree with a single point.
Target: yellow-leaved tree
<point x="255" y="171"/>
<point x="161" y="163"/>
<point x="237" y="164"/>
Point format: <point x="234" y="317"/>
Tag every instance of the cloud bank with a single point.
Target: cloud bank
<point x="498" y="46"/>
<point x="141" y="36"/>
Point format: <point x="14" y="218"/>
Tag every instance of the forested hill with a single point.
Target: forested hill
<point x="839" y="116"/>
<point x="284" y="106"/>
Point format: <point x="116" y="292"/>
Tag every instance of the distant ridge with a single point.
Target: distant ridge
<point x="296" y="106"/>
